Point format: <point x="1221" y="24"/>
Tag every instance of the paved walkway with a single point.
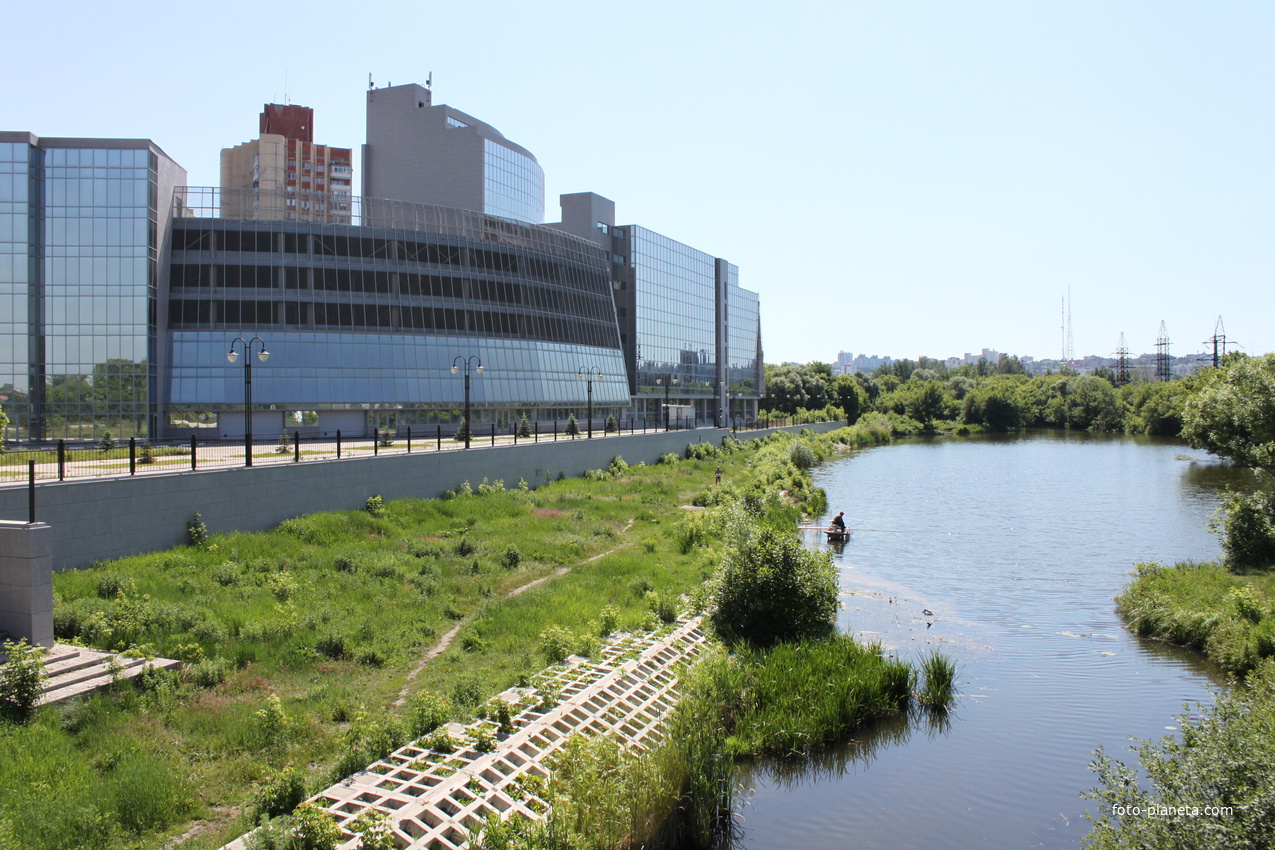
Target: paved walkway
<point x="434" y="799"/>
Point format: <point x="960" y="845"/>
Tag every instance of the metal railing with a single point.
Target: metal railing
<point x="71" y="460"/>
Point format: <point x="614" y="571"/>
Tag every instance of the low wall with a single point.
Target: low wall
<point x="109" y="518"/>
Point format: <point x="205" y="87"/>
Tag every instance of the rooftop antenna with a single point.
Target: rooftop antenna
<point x="370" y="84"/>
<point x="429" y="81"/>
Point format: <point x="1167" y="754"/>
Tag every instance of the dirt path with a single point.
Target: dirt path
<point x="446" y="640"/>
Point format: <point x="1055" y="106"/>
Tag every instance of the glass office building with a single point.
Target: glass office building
<point x="81" y="275"/>
<point x="691" y="334"/>
<point x="363" y="323"/>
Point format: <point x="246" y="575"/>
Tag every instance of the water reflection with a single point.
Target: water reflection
<point x="830" y="763"/>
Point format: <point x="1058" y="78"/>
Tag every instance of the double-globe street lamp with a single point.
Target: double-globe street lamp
<point x="232" y="356"/>
<point x="456" y="364"/>
<point x="590" y="374"/>
<point x="666" y="381"/>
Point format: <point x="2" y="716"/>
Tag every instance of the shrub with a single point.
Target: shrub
<point x="609" y="622"/>
<point x="483" y="738"/>
<point x="524" y="427"/>
<point x="1247" y="526"/>
<point x="770" y="588"/>
<point x="107" y="442"/>
<point x="462" y="433"/>
<point x="555" y="644"/>
<point x="573" y="427"/>
<point x="281" y="792"/>
<point x="802" y="456"/>
<point x="21" y="680"/>
<point x="272" y="725"/>
<point x="668" y="458"/>
<point x="1222" y="757"/>
<point x="373" y="829"/>
<point x="197" y="531"/>
<point x="375" y="506"/>
<point x="617" y="467"/>
<point x="511" y="559"/>
<point x="285" y="445"/>
<point x="314" y="828"/>
<point x="611" y="425"/>
<point x="427" y="712"/>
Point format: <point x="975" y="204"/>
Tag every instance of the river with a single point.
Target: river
<point x="1005" y="554"/>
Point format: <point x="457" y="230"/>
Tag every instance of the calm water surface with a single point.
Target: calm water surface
<point x="1016" y="547"/>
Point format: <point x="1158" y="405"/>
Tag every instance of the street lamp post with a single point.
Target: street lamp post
<point x="469" y="426"/>
<point x="581" y="375"/>
<point x="232" y="356"/>
<point x="666" y="381"/>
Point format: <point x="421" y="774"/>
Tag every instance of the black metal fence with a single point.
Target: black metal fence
<point x="65" y="460"/>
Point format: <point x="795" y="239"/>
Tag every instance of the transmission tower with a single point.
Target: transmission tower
<point x="1071" y="349"/>
<point x="1218" y="341"/>
<point x="1163" y="362"/>
<point x="1122" y="363"/>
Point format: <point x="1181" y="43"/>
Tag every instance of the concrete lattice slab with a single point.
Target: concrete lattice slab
<point x="434" y="799"/>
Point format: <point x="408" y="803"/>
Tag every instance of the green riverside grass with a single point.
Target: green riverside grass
<point x="1228" y="617"/>
<point x="330" y="613"/>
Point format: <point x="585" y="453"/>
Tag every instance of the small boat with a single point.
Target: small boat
<point x="838" y="535"/>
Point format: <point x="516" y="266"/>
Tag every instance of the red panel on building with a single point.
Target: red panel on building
<point x="291" y="122"/>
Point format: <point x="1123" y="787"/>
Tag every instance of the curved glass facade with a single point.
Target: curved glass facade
<point x="513" y="184"/>
<point x="372" y="317"/>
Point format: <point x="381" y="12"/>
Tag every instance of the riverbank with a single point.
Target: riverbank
<point x="299" y="642"/>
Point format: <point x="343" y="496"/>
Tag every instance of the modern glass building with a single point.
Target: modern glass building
<point x="437" y="155"/>
<point x="691" y="334"/>
<point x="82" y="281"/>
<point x="364" y="322"/>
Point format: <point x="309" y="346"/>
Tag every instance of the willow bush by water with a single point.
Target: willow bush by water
<point x="1224" y="758"/>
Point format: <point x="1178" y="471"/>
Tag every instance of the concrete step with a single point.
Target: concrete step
<point x="74" y="670"/>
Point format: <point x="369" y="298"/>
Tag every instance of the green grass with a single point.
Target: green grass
<point x="1228" y="617"/>
<point x="329" y="613"/>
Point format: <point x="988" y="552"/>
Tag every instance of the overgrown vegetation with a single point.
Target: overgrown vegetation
<point x="1209" y="787"/>
<point x="297" y="642"/>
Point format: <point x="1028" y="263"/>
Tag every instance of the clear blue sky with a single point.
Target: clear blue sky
<point x="896" y="178"/>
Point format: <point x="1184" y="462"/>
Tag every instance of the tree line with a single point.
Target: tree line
<point x="997" y="396"/>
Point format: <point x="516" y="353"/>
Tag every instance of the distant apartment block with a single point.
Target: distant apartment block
<point x="287" y="176"/>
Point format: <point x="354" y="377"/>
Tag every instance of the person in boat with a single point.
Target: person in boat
<point x="839" y="523"/>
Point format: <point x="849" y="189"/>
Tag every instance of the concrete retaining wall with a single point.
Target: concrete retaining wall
<point x="109" y="518"/>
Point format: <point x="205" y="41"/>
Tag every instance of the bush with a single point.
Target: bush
<point x="1225" y="758"/>
<point x="611" y="425"/>
<point x="770" y="588"/>
<point x="427" y="712"/>
<point x="197" y="531"/>
<point x="802" y="456"/>
<point x="1247" y="526"/>
<point x="511" y="559"/>
<point x="462" y="433"/>
<point x="555" y="644"/>
<point x="573" y="427"/>
<point x="281" y="792"/>
<point x="314" y="828"/>
<point x="524" y="427"/>
<point x="21" y="680"/>
<point x="375" y="506"/>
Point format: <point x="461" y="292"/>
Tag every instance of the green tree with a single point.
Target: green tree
<point x="995" y="404"/>
<point x="573" y="427"/>
<point x="1232" y="413"/>
<point x="771" y="588"/>
<point x="1154" y="408"/>
<point x="791" y="387"/>
<point x="927" y="403"/>
<point x="850" y="397"/>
